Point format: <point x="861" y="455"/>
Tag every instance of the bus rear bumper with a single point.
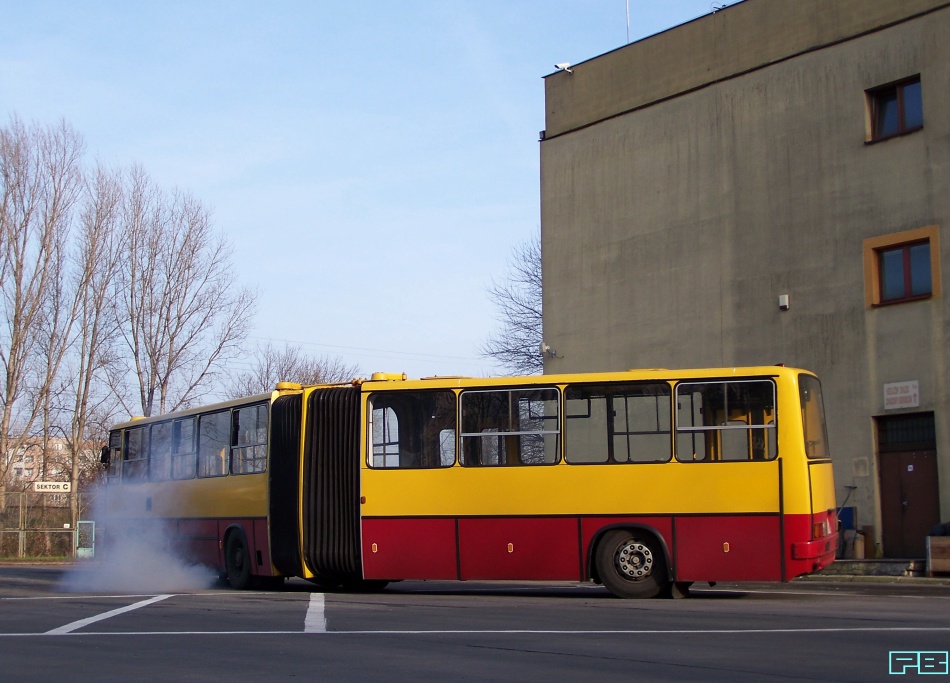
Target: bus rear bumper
<point x="822" y="548"/>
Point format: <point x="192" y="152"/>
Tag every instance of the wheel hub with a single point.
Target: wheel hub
<point x="634" y="560"/>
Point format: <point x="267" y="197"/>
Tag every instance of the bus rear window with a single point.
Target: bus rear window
<point x="813" y="417"/>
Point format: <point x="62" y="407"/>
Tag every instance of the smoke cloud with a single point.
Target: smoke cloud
<point x="134" y="555"/>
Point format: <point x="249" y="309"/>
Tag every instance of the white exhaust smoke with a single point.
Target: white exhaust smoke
<point x="134" y="554"/>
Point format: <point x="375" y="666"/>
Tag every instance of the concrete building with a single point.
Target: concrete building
<point x="769" y="184"/>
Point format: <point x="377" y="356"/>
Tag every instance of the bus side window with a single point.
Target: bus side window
<point x="214" y="443"/>
<point x="722" y="421"/>
<point x="159" y="459"/>
<point x="618" y="423"/>
<point x="135" y="467"/>
<point x="412" y="429"/>
<point x="249" y="452"/>
<point x="183" y="448"/>
<point x="114" y="464"/>
<point x="510" y="427"/>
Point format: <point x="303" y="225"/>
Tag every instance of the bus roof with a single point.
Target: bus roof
<point x="381" y="380"/>
<point x="392" y="380"/>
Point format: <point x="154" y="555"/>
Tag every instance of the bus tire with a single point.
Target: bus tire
<point x="631" y="564"/>
<point x="238" y="561"/>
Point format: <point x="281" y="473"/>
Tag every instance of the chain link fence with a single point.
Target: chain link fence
<point x="40" y="525"/>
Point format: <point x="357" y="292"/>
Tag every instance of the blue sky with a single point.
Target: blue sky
<point x="373" y="164"/>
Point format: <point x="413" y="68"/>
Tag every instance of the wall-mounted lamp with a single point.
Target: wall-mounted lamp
<point x="783" y="302"/>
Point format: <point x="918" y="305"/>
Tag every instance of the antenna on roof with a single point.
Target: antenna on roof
<point x="628" y="22"/>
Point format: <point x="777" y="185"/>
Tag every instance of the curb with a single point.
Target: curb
<point x="881" y="580"/>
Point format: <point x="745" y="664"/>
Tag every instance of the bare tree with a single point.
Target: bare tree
<point x="181" y="314"/>
<point x="270" y="365"/>
<point x="40" y="176"/>
<point x="516" y="346"/>
<point x="96" y="260"/>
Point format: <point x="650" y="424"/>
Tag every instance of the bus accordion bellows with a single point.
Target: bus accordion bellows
<point x="645" y="481"/>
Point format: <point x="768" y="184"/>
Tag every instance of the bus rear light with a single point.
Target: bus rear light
<point x="821" y="529"/>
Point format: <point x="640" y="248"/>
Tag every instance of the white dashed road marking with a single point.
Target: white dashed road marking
<point x="316" y="621"/>
<point x="69" y="628"/>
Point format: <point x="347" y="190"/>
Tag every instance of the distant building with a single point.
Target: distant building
<point x="37" y="459"/>
<point x="768" y="184"/>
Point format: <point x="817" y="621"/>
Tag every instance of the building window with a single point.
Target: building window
<point x="895" y="109"/>
<point x="905" y="272"/>
<point x="902" y="267"/>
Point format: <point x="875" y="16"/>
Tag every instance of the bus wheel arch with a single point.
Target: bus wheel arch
<point x="237" y="558"/>
<point x="632" y="562"/>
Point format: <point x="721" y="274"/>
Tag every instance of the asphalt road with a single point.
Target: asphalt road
<point x="470" y="632"/>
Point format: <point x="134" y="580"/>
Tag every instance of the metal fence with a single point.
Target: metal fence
<point x="41" y="525"/>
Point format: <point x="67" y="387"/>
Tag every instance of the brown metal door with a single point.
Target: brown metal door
<point x="909" y="501"/>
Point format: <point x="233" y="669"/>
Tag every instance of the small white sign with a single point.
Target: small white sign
<point x="52" y="486"/>
<point x="901" y="395"/>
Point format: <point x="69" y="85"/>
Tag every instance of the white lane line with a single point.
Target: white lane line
<point x="69" y="628"/>
<point x="96" y="596"/>
<point x="316" y="621"/>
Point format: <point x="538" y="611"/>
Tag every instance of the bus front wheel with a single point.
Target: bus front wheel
<point x="237" y="561"/>
<point x="631" y="565"/>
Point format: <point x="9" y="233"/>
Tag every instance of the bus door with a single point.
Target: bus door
<point x="408" y="500"/>
<point x="519" y="522"/>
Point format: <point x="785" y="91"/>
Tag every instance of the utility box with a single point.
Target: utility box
<point x="938" y="555"/>
<point x="85" y="539"/>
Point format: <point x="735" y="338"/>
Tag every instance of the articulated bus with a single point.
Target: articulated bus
<point x="645" y="481"/>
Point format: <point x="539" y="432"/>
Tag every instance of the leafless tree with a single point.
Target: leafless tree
<point x="41" y="176"/>
<point x="516" y="345"/>
<point x="96" y="261"/>
<point x="181" y="313"/>
<point x="271" y="364"/>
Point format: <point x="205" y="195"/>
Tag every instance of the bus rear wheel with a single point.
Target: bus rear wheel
<point x="631" y="565"/>
<point x="237" y="561"/>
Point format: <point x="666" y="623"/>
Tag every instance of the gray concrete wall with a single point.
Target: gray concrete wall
<point x="721" y="45"/>
<point x="668" y="233"/>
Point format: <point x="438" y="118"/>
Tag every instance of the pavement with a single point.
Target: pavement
<point x="909" y="572"/>
<point x="865" y="572"/>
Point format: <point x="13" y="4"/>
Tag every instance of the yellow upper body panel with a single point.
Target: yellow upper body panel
<point x="770" y="486"/>
<point x="232" y="496"/>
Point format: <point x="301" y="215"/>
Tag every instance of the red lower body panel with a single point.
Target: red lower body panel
<point x="409" y="549"/>
<point x="728" y="548"/>
<point x="535" y="548"/>
<point x="202" y="541"/>
<point x="747" y="547"/>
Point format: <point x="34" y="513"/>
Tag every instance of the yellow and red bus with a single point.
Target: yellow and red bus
<point x="645" y="481"/>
